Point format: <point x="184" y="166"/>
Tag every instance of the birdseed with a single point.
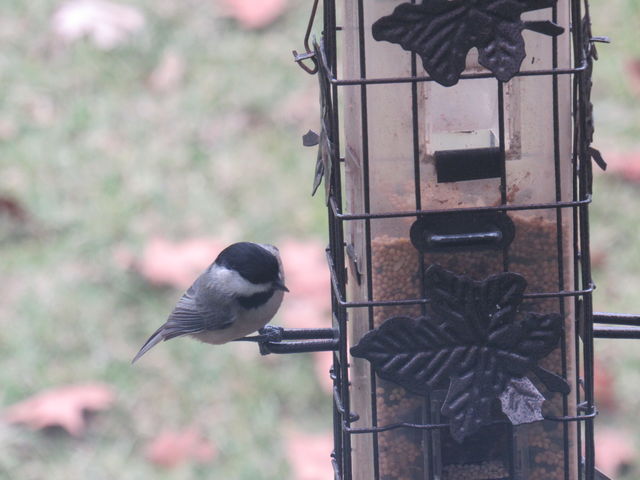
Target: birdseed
<point x="396" y="276"/>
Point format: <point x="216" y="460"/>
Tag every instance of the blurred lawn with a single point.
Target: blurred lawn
<point x="101" y="161"/>
<point x="615" y="228"/>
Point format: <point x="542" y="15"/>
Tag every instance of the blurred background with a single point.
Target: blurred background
<point x="139" y="138"/>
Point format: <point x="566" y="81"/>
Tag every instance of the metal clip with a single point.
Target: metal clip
<point x="354" y="261"/>
<point x="308" y="54"/>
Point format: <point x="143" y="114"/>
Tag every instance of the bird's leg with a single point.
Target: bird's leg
<point x="267" y="334"/>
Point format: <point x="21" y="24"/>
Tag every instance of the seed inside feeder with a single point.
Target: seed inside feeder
<point x="484" y="456"/>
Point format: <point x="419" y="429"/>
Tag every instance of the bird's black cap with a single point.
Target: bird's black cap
<point x="251" y="261"/>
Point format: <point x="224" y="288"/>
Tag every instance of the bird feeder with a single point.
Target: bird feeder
<point x="455" y="148"/>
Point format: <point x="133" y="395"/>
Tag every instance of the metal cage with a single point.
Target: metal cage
<point x="387" y="424"/>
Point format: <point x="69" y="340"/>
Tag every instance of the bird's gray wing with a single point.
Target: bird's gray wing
<point x="199" y="309"/>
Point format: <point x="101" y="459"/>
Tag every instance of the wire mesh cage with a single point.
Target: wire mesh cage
<point x="456" y="152"/>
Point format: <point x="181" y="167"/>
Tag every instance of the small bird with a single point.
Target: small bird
<point x="238" y="294"/>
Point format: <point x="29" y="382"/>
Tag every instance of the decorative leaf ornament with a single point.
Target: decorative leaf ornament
<point x="442" y="32"/>
<point x="521" y="401"/>
<point x="590" y="54"/>
<point x="475" y="339"/>
<point x="325" y="145"/>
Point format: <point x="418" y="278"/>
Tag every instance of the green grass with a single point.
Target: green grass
<point x="100" y="161"/>
<point x="615" y="227"/>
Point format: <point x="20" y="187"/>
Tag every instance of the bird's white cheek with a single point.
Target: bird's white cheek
<point x="233" y="284"/>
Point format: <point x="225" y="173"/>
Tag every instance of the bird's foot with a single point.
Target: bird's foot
<point x="272" y="333"/>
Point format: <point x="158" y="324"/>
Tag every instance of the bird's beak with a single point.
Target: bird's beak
<point x="280" y="286"/>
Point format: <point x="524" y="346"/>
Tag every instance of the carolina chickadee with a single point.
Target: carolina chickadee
<point x="238" y="294"/>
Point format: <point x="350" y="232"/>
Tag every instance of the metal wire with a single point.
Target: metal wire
<point x="333" y="204"/>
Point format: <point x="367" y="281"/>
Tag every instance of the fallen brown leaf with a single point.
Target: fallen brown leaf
<point x="255" y="14"/>
<point x="632" y="69"/>
<point x="167" y="263"/>
<point x="12" y="208"/>
<point x="604" y="386"/>
<point x="300" y="312"/>
<point x="170" y="449"/>
<point x="306" y="271"/>
<point x="614" y="451"/>
<point x="177" y="264"/>
<point x="309" y="455"/>
<point x="107" y="24"/>
<point x="300" y="107"/>
<point x="624" y="164"/>
<point x="598" y="258"/>
<point x="62" y="407"/>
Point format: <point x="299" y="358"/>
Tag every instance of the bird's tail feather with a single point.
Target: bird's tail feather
<point x="157" y="337"/>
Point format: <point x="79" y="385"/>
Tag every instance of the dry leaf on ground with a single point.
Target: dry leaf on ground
<point x="255" y="14"/>
<point x="13" y="209"/>
<point x="106" y="24"/>
<point x="614" y="451"/>
<point x="632" y="70"/>
<point x="175" y="264"/>
<point x="305" y="266"/>
<point x="170" y="449"/>
<point x="599" y="258"/>
<point x="624" y="164"/>
<point x="604" y="386"/>
<point x="309" y="455"/>
<point x="61" y="407"/>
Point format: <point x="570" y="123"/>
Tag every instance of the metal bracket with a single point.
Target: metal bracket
<point x="308" y="54"/>
<point x="354" y="262"/>
<point x="310" y="139"/>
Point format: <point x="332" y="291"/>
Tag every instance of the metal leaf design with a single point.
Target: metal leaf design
<point x="325" y="145"/>
<point x="590" y="55"/>
<point x="442" y="32"/>
<point x="474" y="337"/>
<point x="521" y="401"/>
